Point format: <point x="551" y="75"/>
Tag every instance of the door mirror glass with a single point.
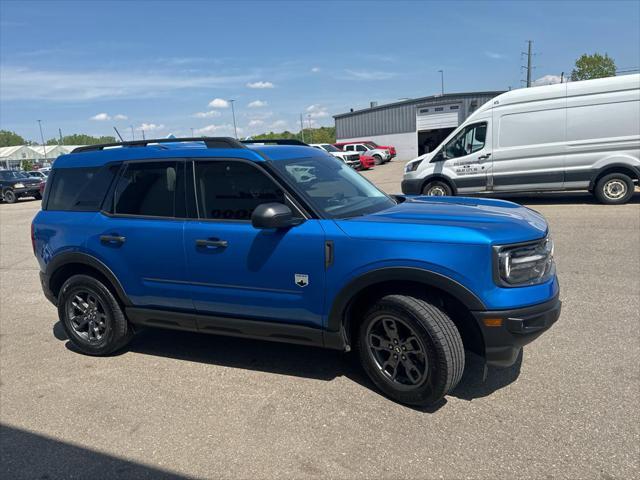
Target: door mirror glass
<point x="273" y="215"/>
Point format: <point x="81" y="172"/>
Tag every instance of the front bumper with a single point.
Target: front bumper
<point x="518" y="327"/>
<point x="412" y="186"/>
<point x="27" y="191"/>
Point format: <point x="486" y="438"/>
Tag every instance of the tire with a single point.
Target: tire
<point x="10" y="196"/>
<point x="437" y="188"/>
<point x="38" y="196"/>
<point x="377" y="159"/>
<point x="414" y="379"/>
<point x="107" y="318"/>
<point x="614" y="189"/>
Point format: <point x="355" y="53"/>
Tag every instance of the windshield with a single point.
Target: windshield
<point x="332" y="187"/>
<point x="330" y="148"/>
<point x="11" y="175"/>
<point x="372" y="145"/>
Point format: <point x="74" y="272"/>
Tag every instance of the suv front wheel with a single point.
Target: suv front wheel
<point x="411" y="350"/>
<point x="92" y="317"/>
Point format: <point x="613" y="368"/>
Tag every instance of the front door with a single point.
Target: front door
<point x="237" y="270"/>
<point x="468" y="156"/>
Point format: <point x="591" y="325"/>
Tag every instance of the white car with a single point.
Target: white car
<point x="380" y="155"/>
<point x="39" y="174"/>
<point x="350" y="158"/>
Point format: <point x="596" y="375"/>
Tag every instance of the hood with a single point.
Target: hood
<point x="451" y="220"/>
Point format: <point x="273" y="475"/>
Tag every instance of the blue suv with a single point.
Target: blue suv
<point x="280" y="241"/>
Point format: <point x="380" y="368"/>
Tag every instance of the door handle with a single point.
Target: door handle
<point x="212" y="243"/>
<point x="119" y="239"/>
<point x="484" y="157"/>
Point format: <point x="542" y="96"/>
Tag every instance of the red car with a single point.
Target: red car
<point x="366" y="162"/>
<point x="41" y="187"/>
<point x="392" y="150"/>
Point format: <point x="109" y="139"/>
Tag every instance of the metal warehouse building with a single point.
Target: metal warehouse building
<point x="414" y="126"/>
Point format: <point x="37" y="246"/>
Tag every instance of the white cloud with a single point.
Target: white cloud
<point x="315" y="69"/>
<point x="495" y="55"/>
<point x="279" y="125"/>
<point x="317" y="111"/>
<point x="22" y="83"/>
<point x="209" y="114"/>
<point x="547" y="80"/>
<point x="101" y="117"/>
<point x="367" y="75"/>
<point x="218" y="103"/>
<point x="224" y="129"/>
<point x="120" y="116"/>
<point x="257" y="104"/>
<point x="256" y="122"/>
<point x="260" y="84"/>
<point x="150" y="127"/>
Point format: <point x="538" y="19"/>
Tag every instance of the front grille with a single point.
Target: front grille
<point x="353" y="157"/>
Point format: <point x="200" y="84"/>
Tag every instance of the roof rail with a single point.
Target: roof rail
<point x="276" y="141"/>
<point x="210" y="142"/>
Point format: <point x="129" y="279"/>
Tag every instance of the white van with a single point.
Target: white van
<point x="570" y="136"/>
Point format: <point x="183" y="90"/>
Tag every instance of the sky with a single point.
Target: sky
<point x="171" y="67"/>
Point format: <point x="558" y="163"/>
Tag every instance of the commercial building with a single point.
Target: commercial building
<point x="413" y="126"/>
<point x="12" y="157"/>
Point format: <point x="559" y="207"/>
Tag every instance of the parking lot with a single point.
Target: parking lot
<point x="183" y="405"/>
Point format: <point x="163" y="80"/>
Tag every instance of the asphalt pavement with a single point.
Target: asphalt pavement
<point x="182" y="405"/>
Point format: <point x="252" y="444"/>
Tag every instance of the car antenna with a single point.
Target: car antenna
<point x="120" y="136"/>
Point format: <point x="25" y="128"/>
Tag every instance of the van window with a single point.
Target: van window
<point x="532" y="128"/>
<point x="469" y="140"/>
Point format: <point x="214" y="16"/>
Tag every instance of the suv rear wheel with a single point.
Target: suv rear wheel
<point x="92" y="317"/>
<point x="411" y="350"/>
<point x="614" y="189"/>
<point x="10" y="196"/>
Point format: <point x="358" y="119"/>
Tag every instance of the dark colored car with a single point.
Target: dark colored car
<point x="16" y="185"/>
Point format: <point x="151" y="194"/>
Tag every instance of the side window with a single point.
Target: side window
<point x="228" y="190"/>
<point x="79" y="189"/>
<point x="153" y="189"/>
<point x="361" y="148"/>
<point x="348" y="148"/>
<point x="467" y="141"/>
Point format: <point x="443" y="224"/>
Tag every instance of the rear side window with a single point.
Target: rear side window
<point x="151" y="189"/>
<point x="79" y="189"/>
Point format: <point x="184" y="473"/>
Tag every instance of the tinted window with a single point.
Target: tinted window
<point x="467" y="141"/>
<point x="229" y="190"/>
<point x="79" y="189"/>
<point x="150" y="189"/>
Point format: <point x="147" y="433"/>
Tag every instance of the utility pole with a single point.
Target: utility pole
<point x="142" y="134"/>
<point x="529" y="55"/>
<point x="60" y="132"/>
<point x="301" y="128"/>
<point x="441" y="81"/>
<point x="44" y="146"/>
<point x="310" y="130"/>
<point x="192" y="136"/>
<point x="133" y="135"/>
<point x="233" y="112"/>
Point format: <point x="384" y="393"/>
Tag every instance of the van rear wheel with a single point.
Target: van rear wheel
<point x="614" y="189"/>
<point x="437" y="189"/>
<point x="410" y="349"/>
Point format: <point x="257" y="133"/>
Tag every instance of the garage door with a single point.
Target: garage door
<point x="441" y="116"/>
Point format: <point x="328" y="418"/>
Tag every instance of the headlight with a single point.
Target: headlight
<point x="527" y="264"/>
<point x="18" y="185"/>
<point x="412" y="166"/>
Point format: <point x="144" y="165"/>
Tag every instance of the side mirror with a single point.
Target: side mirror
<point x="273" y="215"/>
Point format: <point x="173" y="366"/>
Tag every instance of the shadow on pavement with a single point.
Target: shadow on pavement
<point x="556" y="198"/>
<point x="294" y="360"/>
<point x="28" y="455"/>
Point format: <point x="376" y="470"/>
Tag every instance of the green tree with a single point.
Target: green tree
<point x="311" y="135"/>
<point x="9" y="139"/>
<point x="81" y="139"/>
<point x="593" y="66"/>
<point x="27" y="165"/>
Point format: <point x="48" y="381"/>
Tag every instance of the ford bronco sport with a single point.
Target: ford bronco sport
<point x="282" y="242"/>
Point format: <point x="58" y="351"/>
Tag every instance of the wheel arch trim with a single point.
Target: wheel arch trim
<point x="342" y="301"/>
<point x="67" y="258"/>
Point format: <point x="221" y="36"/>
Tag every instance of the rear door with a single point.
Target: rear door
<point x="139" y="236"/>
<point x="238" y="271"/>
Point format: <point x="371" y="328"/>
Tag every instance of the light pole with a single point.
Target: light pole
<point x="192" y="136"/>
<point x="233" y="112"/>
<point x="441" y="81"/>
<point x="133" y="135"/>
<point x="310" y="131"/>
<point x="44" y="146"/>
